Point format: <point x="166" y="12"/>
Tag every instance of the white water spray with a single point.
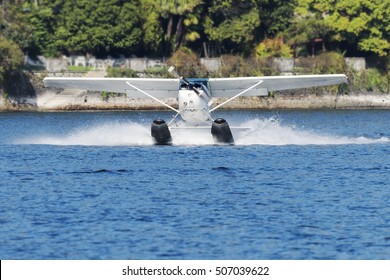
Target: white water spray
<point x="261" y="132"/>
<point x="272" y="132"/>
<point x="108" y="134"/>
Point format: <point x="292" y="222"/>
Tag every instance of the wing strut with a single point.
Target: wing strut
<point x="237" y="95"/>
<point x="154" y="98"/>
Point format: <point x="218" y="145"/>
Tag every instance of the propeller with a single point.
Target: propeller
<point x="188" y="83"/>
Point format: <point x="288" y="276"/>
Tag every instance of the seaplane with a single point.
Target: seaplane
<point x="194" y="96"/>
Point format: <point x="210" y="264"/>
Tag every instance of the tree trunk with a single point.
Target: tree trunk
<point x="169" y="35"/>
<point x="206" y="53"/>
<point x="179" y="33"/>
<point x="169" y="28"/>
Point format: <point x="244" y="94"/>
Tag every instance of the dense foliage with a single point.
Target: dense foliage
<point x="352" y="26"/>
<point x="160" y="27"/>
<point x="11" y="56"/>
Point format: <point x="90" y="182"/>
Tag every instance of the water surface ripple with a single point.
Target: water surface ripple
<point x="299" y="185"/>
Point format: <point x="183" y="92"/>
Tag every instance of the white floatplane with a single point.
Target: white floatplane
<point x="195" y="96"/>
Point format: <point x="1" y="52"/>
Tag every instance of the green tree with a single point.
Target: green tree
<point x="363" y="25"/>
<point x="11" y="56"/>
<point x="232" y="24"/>
<point x="13" y="25"/>
<point x="307" y="30"/>
<point x="275" y="16"/>
<point x="152" y="31"/>
<point x="128" y="29"/>
<point x="43" y="22"/>
<point x="86" y="26"/>
<point x="98" y="26"/>
<point x="170" y="24"/>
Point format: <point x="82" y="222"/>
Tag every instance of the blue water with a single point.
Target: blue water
<point x="298" y="185"/>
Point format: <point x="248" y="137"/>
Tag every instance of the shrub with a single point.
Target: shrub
<point x="375" y="81"/>
<point x="79" y="68"/>
<point x="157" y="72"/>
<point x="237" y="66"/>
<point x="116" y="72"/>
<point x="325" y="63"/>
<point x="187" y="63"/>
<point x="273" y="48"/>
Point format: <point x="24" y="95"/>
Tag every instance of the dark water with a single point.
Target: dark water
<point x="300" y="185"/>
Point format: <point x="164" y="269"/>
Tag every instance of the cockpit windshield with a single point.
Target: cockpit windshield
<point x="197" y="83"/>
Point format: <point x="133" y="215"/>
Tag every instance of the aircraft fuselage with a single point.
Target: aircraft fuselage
<point x="194" y="107"/>
<point x="194" y="101"/>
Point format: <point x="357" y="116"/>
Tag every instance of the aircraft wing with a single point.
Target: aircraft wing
<point x="229" y="87"/>
<point x="156" y="87"/>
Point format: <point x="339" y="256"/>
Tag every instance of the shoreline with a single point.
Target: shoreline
<point x="30" y="94"/>
<point x="67" y="100"/>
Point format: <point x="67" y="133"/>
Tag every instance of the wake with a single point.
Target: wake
<point x="272" y="132"/>
<point x="260" y="132"/>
